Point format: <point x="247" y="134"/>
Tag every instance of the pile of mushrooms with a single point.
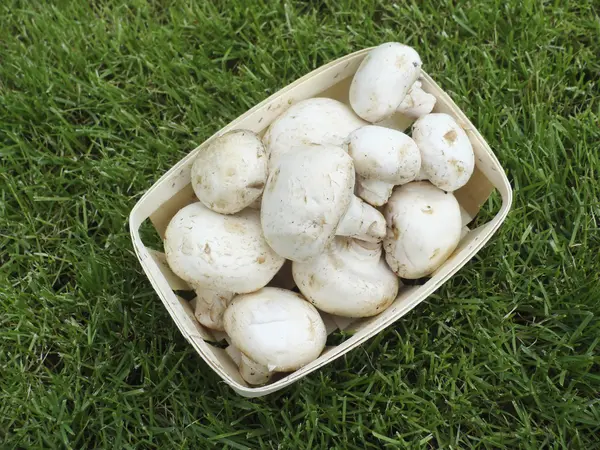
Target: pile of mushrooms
<point x="354" y="205"/>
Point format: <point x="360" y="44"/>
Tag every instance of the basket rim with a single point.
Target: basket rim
<point x="139" y="214"/>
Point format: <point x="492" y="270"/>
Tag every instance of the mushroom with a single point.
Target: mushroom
<point x="309" y="198"/>
<point x="421" y="176"/>
<point x="233" y="352"/>
<point x="417" y="102"/>
<point x="276" y="330"/>
<point x="253" y="372"/>
<point x="230" y="173"/>
<point x="210" y="306"/>
<point x="250" y="371"/>
<point x="310" y="121"/>
<point x="424" y="228"/>
<point x="382" y="158"/>
<point x="383" y="79"/>
<point x="447" y="158"/>
<point x="350" y="279"/>
<point x="218" y="255"/>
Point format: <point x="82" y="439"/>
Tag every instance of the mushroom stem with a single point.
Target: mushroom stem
<point x="373" y="191"/>
<point x="422" y="176"/>
<point x="210" y="306"/>
<point x="362" y="221"/>
<point x="235" y="354"/>
<point x="256" y="203"/>
<point x="253" y="372"/>
<point x="366" y="250"/>
<point x="417" y="102"/>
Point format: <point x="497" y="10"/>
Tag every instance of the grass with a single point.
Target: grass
<point x="96" y="102"/>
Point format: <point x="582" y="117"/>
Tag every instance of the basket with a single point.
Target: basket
<point x="173" y="191"/>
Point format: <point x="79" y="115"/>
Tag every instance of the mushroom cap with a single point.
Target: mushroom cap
<point x="383" y="79"/>
<point x="446" y="152"/>
<point x="307" y="193"/>
<point x="223" y="253"/>
<point x="350" y="279"/>
<point x="424" y="227"/>
<point x="311" y="121"/>
<point x="384" y="154"/>
<point x="276" y="328"/>
<point x="231" y="172"/>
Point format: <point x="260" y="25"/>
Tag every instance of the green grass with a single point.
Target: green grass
<point x="97" y="102"/>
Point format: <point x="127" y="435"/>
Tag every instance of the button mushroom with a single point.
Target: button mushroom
<point x="253" y="372"/>
<point x="230" y="173"/>
<point x="351" y="279"/>
<point x="383" y="157"/>
<point x="219" y="255"/>
<point x="210" y="306"/>
<point x="276" y="330"/>
<point x="309" y="198"/>
<point x="383" y="79"/>
<point x="447" y="158"/>
<point x="310" y="121"/>
<point x="424" y="227"/>
<point x="250" y="371"/>
<point x="417" y="102"/>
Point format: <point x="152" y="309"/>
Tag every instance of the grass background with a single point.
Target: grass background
<point x="98" y="99"/>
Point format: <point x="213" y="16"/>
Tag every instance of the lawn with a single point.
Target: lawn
<point x="97" y="102"/>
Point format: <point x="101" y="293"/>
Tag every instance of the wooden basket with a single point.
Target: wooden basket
<point x="173" y="191"/>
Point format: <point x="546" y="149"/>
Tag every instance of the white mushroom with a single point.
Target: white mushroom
<point x="383" y="158"/>
<point x="424" y="228"/>
<point x="309" y="198"/>
<point x="350" y="279"/>
<point x="230" y="173"/>
<point x="421" y="176"/>
<point x="234" y="353"/>
<point x="447" y="158"/>
<point x="218" y="255"/>
<point x="310" y="121"/>
<point x="256" y="203"/>
<point x="276" y="330"/>
<point x="253" y="372"/>
<point x="383" y="79"/>
<point x="417" y="102"/>
<point x="210" y="306"/>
